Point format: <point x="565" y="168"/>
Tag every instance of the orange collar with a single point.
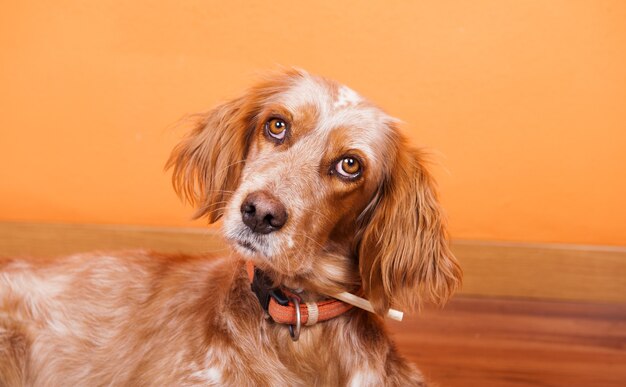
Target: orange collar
<point x="280" y="304"/>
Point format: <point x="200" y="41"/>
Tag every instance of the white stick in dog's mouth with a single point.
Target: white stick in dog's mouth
<point x="366" y="305"/>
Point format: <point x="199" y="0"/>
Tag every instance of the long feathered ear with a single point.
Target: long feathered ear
<point x="404" y="256"/>
<point x="207" y="164"/>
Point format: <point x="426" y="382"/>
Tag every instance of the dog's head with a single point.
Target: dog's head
<point x="314" y="182"/>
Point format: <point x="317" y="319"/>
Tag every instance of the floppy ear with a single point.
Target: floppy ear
<point x="207" y="164"/>
<point x="403" y="254"/>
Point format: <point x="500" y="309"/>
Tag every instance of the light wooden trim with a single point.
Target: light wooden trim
<point x="43" y="239"/>
<point x="566" y="272"/>
<point x="549" y="271"/>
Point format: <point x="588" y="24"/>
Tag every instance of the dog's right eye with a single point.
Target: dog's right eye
<point x="348" y="168"/>
<point x="276" y="128"/>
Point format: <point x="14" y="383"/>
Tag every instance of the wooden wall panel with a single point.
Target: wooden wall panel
<point x="565" y="272"/>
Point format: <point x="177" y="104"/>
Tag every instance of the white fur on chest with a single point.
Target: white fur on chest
<point x="211" y="375"/>
<point x="364" y="378"/>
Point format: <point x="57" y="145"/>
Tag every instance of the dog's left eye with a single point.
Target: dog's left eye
<point x="348" y="167"/>
<point x="276" y="128"/>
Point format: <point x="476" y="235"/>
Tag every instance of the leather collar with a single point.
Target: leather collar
<point x="281" y="303"/>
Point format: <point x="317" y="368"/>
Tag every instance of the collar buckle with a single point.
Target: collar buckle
<point x="261" y="286"/>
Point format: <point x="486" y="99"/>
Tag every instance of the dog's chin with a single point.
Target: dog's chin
<point x="276" y="251"/>
<point x="248" y="244"/>
<point x="262" y="251"/>
<point x="247" y="249"/>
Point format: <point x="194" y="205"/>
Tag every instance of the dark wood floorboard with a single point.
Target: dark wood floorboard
<point x="506" y="342"/>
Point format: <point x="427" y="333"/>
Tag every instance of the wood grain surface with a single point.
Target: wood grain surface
<point x="544" y="271"/>
<point x="474" y="341"/>
<point x="547" y="271"/>
<point x="507" y="342"/>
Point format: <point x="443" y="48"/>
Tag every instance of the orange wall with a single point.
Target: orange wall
<point x="524" y="101"/>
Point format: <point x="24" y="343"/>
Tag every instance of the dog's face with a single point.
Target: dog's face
<point x="315" y="158"/>
<point x="315" y="182"/>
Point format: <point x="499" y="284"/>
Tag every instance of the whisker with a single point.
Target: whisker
<point x="215" y="250"/>
<point x="221" y="202"/>
<point x="219" y="190"/>
<point x="310" y="238"/>
<point x="230" y="165"/>
<point x="317" y="213"/>
<point x="217" y="209"/>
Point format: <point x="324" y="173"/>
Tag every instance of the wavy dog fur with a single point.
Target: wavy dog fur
<point x="142" y="318"/>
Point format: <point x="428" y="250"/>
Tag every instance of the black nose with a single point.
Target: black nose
<point x="263" y="213"/>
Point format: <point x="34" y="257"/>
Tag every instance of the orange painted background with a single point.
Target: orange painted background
<point x="524" y="102"/>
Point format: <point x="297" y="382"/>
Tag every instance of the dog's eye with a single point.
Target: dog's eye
<point x="348" y="167"/>
<point x="276" y="128"/>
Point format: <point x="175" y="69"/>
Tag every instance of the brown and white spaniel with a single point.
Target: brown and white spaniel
<point x="319" y="194"/>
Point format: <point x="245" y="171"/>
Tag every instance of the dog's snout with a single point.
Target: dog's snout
<point x="263" y="213"/>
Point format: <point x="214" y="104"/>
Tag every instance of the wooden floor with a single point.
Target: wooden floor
<point x="473" y="341"/>
<point x="504" y="342"/>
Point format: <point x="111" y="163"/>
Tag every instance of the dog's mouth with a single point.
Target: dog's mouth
<point x="247" y="243"/>
<point x="253" y="245"/>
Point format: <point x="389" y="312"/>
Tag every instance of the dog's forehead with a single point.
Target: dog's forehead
<point x="305" y="90"/>
<point x="324" y="95"/>
<point x="337" y="107"/>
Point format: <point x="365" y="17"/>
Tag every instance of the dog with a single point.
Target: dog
<point x="319" y="193"/>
